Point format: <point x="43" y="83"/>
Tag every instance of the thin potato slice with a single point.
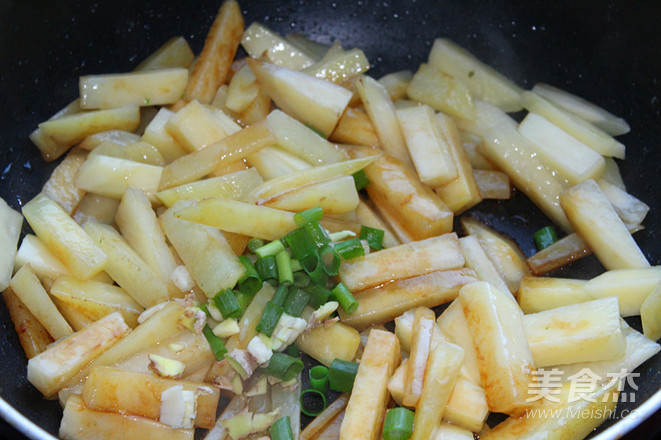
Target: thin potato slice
<point x="631" y="210"/>
<point x="562" y="252"/>
<point x="478" y="260"/>
<point x="64" y="238"/>
<point x="272" y="162"/>
<point x="595" y="220"/>
<point x="366" y="408"/>
<point x="416" y="367"/>
<point x="321" y="422"/>
<point x="334" y="196"/>
<point x="34" y="338"/>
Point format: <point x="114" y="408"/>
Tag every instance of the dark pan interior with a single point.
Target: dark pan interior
<point x="605" y="51"/>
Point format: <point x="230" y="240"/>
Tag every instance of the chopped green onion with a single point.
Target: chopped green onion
<point x="281" y="429"/>
<point x="283" y="263"/>
<point x="271" y="248"/>
<point x="280" y="295"/>
<point x="296" y="265"/>
<point x="300" y="244"/>
<point x="293" y="350"/>
<point x="360" y="179"/>
<point x="319" y="378"/>
<point x="342" y="235"/>
<point x="341" y="375"/>
<point x="398" y="424"/>
<point x="313" y="402"/>
<point x="255" y="243"/>
<point x="318" y="295"/>
<point x="317" y="234"/>
<point x="243" y="299"/>
<point x="227" y="304"/>
<point x="296" y="301"/>
<point x="283" y="366"/>
<point x="349" y="249"/>
<point x="267" y="268"/>
<point x="330" y="259"/>
<point x="301" y="279"/>
<point x="545" y="237"/>
<point x="373" y="236"/>
<point x="215" y="343"/>
<point x="344" y="296"/>
<point x="309" y="216"/>
<point x="269" y="319"/>
<point x="250" y="283"/>
<point x="314" y="267"/>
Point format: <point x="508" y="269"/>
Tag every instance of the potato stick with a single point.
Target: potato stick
<point x="403" y="261"/>
<point x="340" y="68"/>
<point x="63" y="237"/>
<point x="439" y="380"/>
<point x="402" y="235"/>
<point x="74" y="317"/>
<point x="252" y="315"/>
<point x="448" y="431"/>
<point x="366" y="407"/>
<point x="504" y="359"/>
<point x="96" y="208"/>
<point x="10" y="225"/>
<point x="204" y="250"/>
<point x="327" y="343"/>
<point x="461" y="193"/>
<point x="127" y="268"/>
<point x="139" y="226"/>
<point x="367" y="217"/>
<point x="631" y="210"/>
<point x="195" y="126"/>
<point x="95" y="299"/>
<point x="478" y="260"/>
<point x="537" y="294"/>
<point x="382" y="304"/>
<point x="231" y="149"/>
<point x="502" y="251"/>
<point x="53" y="368"/>
<point x="355" y="127"/>
<point x="629" y="286"/>
<point x="472" y="145"/>
<point x="452" y="323"/>
<point x="34" y="338"/>
<point x="156" y="134"/>
<point x="143" y="152"/>
<point x="60" y="185"/>
<point x="273" y="187"/>
<point x="612" y="174"/>
<point x="582" y="130"/>
<point x="396" y="83"/>
<point x="212" y="66"/>
<point x="119" y="137"/>
<point x="51" y="150"/>
<point x="257" y="110"/>
<point x="564" y="425"/>
<point x="319" y="423"/>
<point x="242" y="89"/>
<point x="234" y="407"/>
<point x="312" y="49"/>
<point x="382" y="113"/>
<point x="442" y="92"/>
<point x="82" y="423"/>
<point x="423" y="327"/>
<point x="126" y="392"/>
<point x="272" y="162"/>
<point x="492" y="184"/>
<point x="334" y="196"/>
<point x="413" y="204"/>
<point x="313" y="101"/>
<point x="240" y="218"/>
<point x="301" y="141"/>
<point x="650" y="313"/>
<point x="564" y="251"/>
<point x="173" y="53"/>
<point x="260" y="41"/>
<point x="595" y="220"/>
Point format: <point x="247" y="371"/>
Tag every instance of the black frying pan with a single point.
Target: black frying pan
<point x="606" y="51"/>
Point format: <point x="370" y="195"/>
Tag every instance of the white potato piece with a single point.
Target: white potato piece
<point x="355" y="128"/>
<point x="34" y="338"/>
<point x="504" y="358"/>
<point x="145" y="88"/>
<point x="478" y="260"/>
<point x="447" y="431"/>
<point x="259" y="41"/>
<point x="204" y="250"/>
<point x="173" y="53"/>
<point x="126" y="267"/>
<point x="585" y="132"/>
<point x="592" y="113"/>
<point x="584" y="332"/>
<point x="467" y="406"/>
<point x="195" y="126"/>
<point x="396" y="83"/>
<point x="492" y="184"/>
<point x="64" y="238"/>
<point x="571" y="158"/>
<point x="595" y="220"/>
<point x="453" y="324"/>
<point x="484" y="82"/>
<point x="340" y="67"/>
<point x="327" y="343"/>
<point x="381" y="112"/>
<point x="441" y="91"/>
<point x="631" y="210"/>
<point x="60" y="185"/>
<point x="311" y="48"/>
<point x="335" y="196"/>
<point x="630" y="286"/>
<point x="49" y="148"/>
<point x="10" y="225"/>
<point x="42" y="262"/>
<point x="71" y="129"/>
<point x="111" y="176"/>
<point x="537" y="294"/>
<point x="156" y="134"/>
<point x="430" y="154"/>
<point x="403" y="261"/>
<point x="53" y="368"/>
<point x="242" y="90"/>
<point x="96" y="208"/>
<point x="119" y="137"/>
<point x="301" y="141"/>
<point x="29" y="290"/>
<point x="235" y="186"/>
<point x="564" y="251"/>
<point x="422" y="329"/>
<point x="272" y="162"/>
<point x="612" y="174"/>
<point x="311" y="100"/>
<point x="650" y="314"/>
<point x="82" y="423"/>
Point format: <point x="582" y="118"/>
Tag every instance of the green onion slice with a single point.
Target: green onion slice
<point x="281" y="429"/>
<point x="350" y="248"/>
<point x="330" y="260"/>
<point x="301" y="279"/>
<point x="545" y="237"/>
<point x="341" y="375"/>
<point x="313" y="402"/>
<point x="250" y="283"/>
<point x="296" y="301"/>
<point x="373" y="236"/>
<point x="270" y="318"/>
<point x="283" y="263"/>
<point x="283" y="366"/>
<point x="360" y="179"/>
<point x="227" y="304"/>
<point x="319" y="378"/>
<point x="319" y="295"/>
<point x="271" y="248"/>
<point x="311" y="215"/>
<point x="398" y="424"/>
<point x="254" y="244"/>
<point x="217" y="346"/>
<point x="267" y="268"/>
<point x="300" y="244"/>
<point x="281" y="293"/>
<point x="346" y="299"/>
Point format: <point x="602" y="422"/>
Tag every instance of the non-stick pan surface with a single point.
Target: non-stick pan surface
<point x="608" y="52"/>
